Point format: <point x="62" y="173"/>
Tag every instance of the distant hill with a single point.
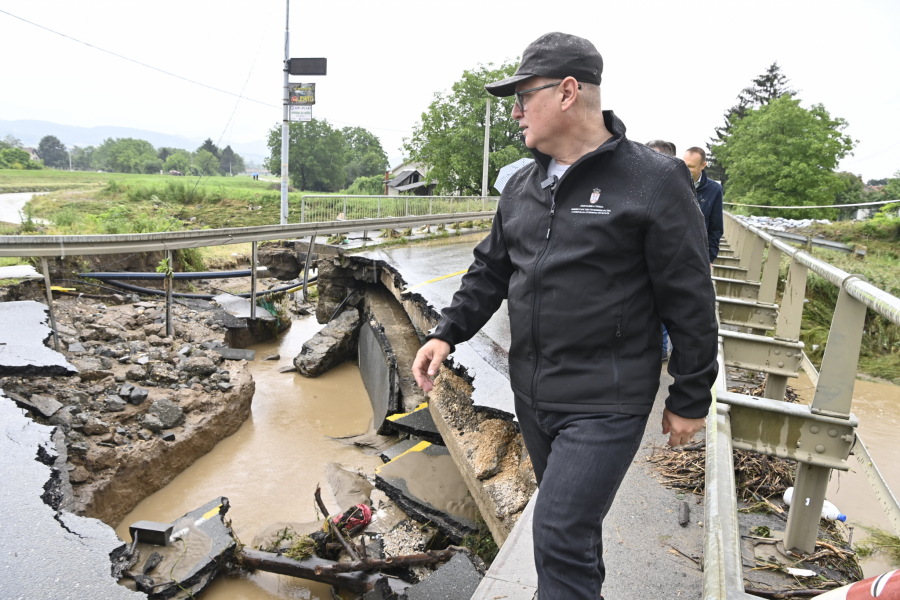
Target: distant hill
<point x="31" y="132"/>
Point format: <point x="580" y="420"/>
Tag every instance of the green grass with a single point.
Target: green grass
<point x="880" y="349"/>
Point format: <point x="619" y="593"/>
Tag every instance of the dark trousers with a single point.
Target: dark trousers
<point x="579" y="461"/>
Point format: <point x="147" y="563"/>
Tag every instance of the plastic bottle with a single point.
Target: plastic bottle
<point x="830" y="512"/>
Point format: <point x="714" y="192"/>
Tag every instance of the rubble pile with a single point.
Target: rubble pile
<point x="782" y="224"/>
<point x="132" y="415"/>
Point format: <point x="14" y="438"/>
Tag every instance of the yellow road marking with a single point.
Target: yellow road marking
<point x="401" y="415"/>
<point x="211" y="513"/>
<point x="418" y="285"/>
<point x="417" y="448"/>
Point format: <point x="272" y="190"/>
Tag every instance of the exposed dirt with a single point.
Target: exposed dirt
<point x="143" y="407"/>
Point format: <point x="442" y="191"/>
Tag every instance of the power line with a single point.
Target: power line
<point x="163" y="71"/>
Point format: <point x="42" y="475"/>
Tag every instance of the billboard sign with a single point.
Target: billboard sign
<point x="308" y="66"/>
<point x="303" y="94"/>
<point x="301" y="113"/>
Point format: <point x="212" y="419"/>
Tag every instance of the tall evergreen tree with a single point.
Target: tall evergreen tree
<point x="769" y="86"/>
<point x="210" y="147"/>
<point x="53" y="152"/>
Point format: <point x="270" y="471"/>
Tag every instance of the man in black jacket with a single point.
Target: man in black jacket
<point x="709" y="195"/>
<point x="592" y="245"/>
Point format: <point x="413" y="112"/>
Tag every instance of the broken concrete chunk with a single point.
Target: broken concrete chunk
<point x="455" y="580"/>
<point x="114" y="403"/>
<point x="94" y="426"/>
<point x="418" y="423"/>
<point x="287" y="369"/>
<point x="273" y="357"/>
<point x="684" y="514"/>
<point x="45" y="405"/>
<point x="76" y="347"/>
<point x="426" y="484"/>
<point x="163" y="373"/>
<point x="234" y="353"/>
<point x="151" y="422"/>
<point x="135" y="373"/>
<point x="168" y="413"/>
<point x="63" y="419"/>
<point x="332" y="345"/>
<point x="198" y="366"/>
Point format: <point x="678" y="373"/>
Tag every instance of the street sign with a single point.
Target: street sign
<point x="301" y="113"/>
<point x="308" y="66"/>
<point x="303" y="94"/>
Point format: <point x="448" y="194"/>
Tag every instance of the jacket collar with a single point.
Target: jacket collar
<point x="613" y="124"/>
<point x="704" y="179"/>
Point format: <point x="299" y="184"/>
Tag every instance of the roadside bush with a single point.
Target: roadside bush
<point x="367" y="186"/>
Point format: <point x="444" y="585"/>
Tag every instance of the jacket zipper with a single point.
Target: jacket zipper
<point x="536" y="307"/>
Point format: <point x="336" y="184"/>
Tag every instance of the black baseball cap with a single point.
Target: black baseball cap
<point x="554" y="55"/>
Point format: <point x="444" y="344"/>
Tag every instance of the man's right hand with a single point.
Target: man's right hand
<point x="428" y="362"/>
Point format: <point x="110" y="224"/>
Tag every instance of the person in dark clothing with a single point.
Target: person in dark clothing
<point x="709" y="195"/>
<point x="668" y="148"/>
<point x="662" y="146"/>
<point x="592" y="245"/>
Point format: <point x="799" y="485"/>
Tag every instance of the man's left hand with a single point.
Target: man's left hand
<point x="680" y="430"/>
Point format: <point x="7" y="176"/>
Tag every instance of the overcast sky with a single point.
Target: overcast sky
<point x="671" y="69"/>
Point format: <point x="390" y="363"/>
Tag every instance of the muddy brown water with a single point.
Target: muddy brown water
<point x="269" y="469"/>
<point x="877" y="405"/>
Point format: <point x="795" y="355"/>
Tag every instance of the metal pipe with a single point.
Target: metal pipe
<point x="47" y="286"/>
<point x="309" y="252"/>
<point x="170" y="284"/>
<point x="152" y="292"/>
<point x="253" y="280"/>
<point x="177" y="276"/>
<point x="285" y="123"/>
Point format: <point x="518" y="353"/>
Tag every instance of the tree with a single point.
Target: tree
<point x="179" y="161"/>
<point x="205" y="163"/>
<point x="210" y="147"/>
<point x="81" y="158"/>
<point x="852" y="193"/>
<point x="450" y="137"/>
<point x="769" y="86"/>
<point x="128" y="155"/>
<point x="782" y="154"/>
<point x="230" y="162"/>
<point x="165" y="152"/>
<point x="53" y="152"/>
<point x="16" y="158"/>
<point x="10" y="141"/>
<point x="317" y="155"/>
<point x="892" y="188"/>
<point x="883" y="181"/>
<point x="365" y="157"/>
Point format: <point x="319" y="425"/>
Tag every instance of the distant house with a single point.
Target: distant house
<point x="409" y="176"/>
<point x="32" y="153"/>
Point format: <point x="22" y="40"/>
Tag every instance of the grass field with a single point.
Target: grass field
<point x="880" y="352"/>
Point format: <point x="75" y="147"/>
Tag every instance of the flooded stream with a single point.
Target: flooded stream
<point x="877" y="406"/>
<point x="269" y="469"/>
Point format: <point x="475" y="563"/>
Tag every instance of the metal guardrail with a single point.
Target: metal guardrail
<point x="315" y="208"/>
<point x="78" y="245"/>
<point x="825" y="429"/>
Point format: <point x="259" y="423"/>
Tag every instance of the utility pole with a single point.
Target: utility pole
<point x="285" y="124"/>
<point x="487" y="139"/>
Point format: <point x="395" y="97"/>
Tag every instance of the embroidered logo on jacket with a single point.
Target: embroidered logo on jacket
<point x="595" y="196"/>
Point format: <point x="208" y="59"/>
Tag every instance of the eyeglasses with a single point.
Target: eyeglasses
<point x="520" y="100"/>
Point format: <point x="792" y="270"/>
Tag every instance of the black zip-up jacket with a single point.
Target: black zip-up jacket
<point x="590" y="263"/>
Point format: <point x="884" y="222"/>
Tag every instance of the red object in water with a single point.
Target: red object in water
<point x="364" y="516"/>
<point x="882" y="587"/>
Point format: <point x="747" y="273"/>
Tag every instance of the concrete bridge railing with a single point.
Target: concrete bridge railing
<point x="818" y="437"/>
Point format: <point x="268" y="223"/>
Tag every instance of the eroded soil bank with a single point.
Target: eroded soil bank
<point x="270" y="467"/>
